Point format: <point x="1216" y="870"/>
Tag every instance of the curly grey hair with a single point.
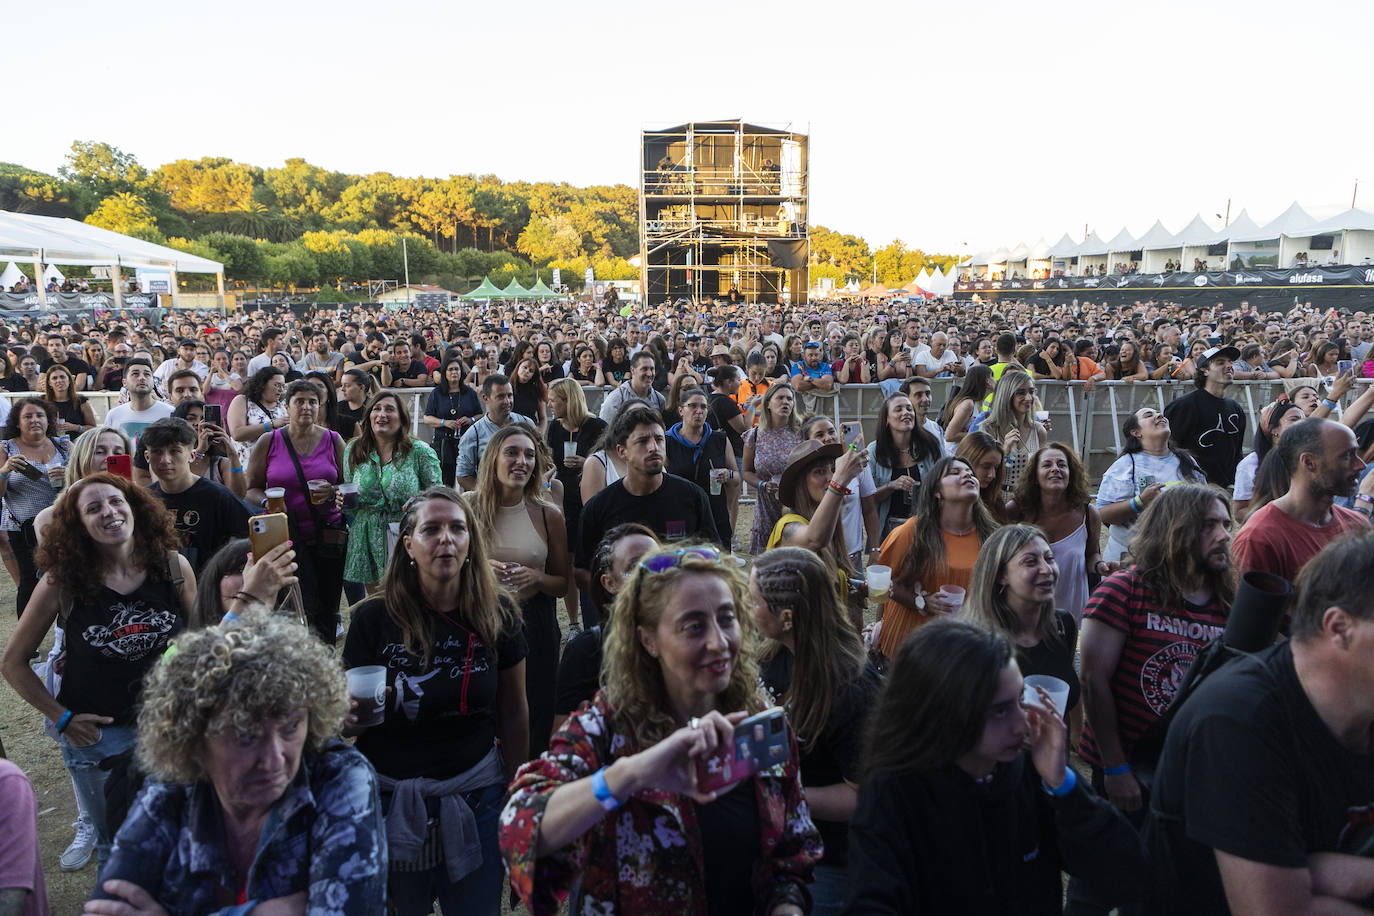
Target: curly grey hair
<point x="229" y="678"/>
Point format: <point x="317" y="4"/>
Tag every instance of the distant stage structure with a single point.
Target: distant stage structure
<point x="723" y="212"/>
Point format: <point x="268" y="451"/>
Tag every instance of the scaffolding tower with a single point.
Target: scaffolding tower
<point x="722" y="206"/>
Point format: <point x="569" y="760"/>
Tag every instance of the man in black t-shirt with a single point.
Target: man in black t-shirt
<point x="675" y="509"/>
<point x="407" y="372"/>
<point x="1264" y="798"/>
<point x="57" y="353"/>
<point x="206" y="514"/>
<point x="1206" y="422"/>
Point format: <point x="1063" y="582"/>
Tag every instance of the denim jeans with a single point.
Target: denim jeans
<point x="89" y="779"/>
<point x="478" y="893"/>
<point x="828" y="889"/>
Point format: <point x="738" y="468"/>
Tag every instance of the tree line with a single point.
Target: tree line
<point x="301" y="225"/>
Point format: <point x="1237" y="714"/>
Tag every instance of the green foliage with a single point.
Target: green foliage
<point x="125" y="212"/>
<point x="293" y="267"/>
<point x="243" y="258"/>
<point x="208" y="185"/>
<point x="23" y="190"/>
<point x="103" y="169"/>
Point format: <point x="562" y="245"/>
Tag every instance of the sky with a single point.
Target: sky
<point x="956" y="127"/>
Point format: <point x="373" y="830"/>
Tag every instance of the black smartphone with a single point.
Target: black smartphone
<point x="214" y="414"/>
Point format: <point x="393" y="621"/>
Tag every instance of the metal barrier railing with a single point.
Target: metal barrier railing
<point x="1090" y="421"/>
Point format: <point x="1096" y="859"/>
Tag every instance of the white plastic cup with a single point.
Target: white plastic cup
<point x="367" y="685"/>
<point x="879" y="579"/>
<point x="569" y="450"/>
<point x="1042" y="416"/>
<point x="1057" y="689"/>
<point x="954" y="595"/>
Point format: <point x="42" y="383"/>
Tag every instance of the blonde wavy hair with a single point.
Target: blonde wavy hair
<point x="228" y="679"/>
<point x="633" y="678"/>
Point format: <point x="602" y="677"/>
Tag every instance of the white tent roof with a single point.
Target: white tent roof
<point x="1157" y="237"/>
<point x="1350" y="219"/>
<point x="1019" y="253"/>
<point x="1243" y="229"/>
<point x="923" y="279"/>
<point x="1065" y="247"/>
<point x="1295" y="221"/>
<point x="1197" y="232"/>
<point x="1092" y="245"/>
<point x="1122" y="241"/>
<point x="11" y="276"/>
<point x="1040" y="251"/>
<point x="999" y="256"/>
<point x="52" y="273"/>
<point x="65" y="241"/>
<point x="978" y="260"/>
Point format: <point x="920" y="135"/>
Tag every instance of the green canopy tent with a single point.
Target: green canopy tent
<point x="515" y="291"/>
<point x="485" y="290"/>
<point x="540" y="290"/>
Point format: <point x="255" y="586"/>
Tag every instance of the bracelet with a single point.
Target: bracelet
<point x="1065" y="787"/>
<point x="1136" y="505"/>
<point x="603" y="792"/>
<point x="63" y="721"/>
<point x="4" y="476"/>
<point x="246" y="598"/>
<point x="236" y="470"/>
<point x="838" y="490"/>
<point x="1328" y="403"/>
<point x="267" y="426"/>
<point x="1117" y="771"/>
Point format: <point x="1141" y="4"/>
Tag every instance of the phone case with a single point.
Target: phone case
<point x="123" y="465"/>
<point x="760" y="741"/>
<point x="267" y="531"/>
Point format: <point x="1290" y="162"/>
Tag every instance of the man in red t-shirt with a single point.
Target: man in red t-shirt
<point x="1142" y="628"/>
<point x="1324" y="462"/>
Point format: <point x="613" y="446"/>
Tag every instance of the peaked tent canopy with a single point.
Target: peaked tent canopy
<point x="1065" y="247"/>
<point x="1242" y="228"/>
<point x="1196" y="233"/>
<point x="1092" y="246"/>
<point x="1156" y="237"/>
<point x="26" y="237"/>
<point x="1352" y="219"/>
<point x="1040" y="251"/>
<point x="540" y="290"/>
<point x="1295" y="221"/>
<point x="484" y="290"/>
<point x="52" y="273"/>
<point x="11" y="276"/>
<point x="1121" y="242"/>
<point x="1019" y="253"/>
<point x="514" y="290"/>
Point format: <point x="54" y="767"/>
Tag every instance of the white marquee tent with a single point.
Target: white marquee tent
<point x="40" y="240"/>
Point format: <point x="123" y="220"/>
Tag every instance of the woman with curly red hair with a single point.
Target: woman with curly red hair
<point x="113" y="574"/>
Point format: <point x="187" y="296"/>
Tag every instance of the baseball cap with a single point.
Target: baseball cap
<point x="1230" y="353"/>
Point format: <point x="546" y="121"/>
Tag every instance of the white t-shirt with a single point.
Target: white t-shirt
<point x="1127" y="477"/>
<point x="133" y="422"/>
<point x="1245" y="476"/>
<point x="852" y="512"/>
<point x="168" y="366"/>
<point x="931" y="363"/>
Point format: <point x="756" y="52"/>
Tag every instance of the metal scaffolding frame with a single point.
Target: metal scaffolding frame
<point x="712" y="194"/>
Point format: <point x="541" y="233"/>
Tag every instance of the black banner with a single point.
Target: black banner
<point x="74" y="301"/>
<point x="1177" y="282"/>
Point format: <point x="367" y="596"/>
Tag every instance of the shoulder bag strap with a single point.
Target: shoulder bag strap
<point x="305" y="487"/>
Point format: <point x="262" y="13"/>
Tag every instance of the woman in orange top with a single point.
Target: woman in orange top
<point x="750" y="393"/>
<point x="937" y="546"/>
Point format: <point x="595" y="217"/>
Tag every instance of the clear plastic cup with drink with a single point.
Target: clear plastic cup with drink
<point x="350" y="495"/>
<point x="953" y="596"/>
<point x="879" y="579"/>
<point x="276" y="499"/>
<point x="321" y="491"/>
<point x="1056" y="688"/>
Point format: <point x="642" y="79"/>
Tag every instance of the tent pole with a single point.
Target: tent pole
<point x="219" y="285"/>
<point x="176" y="291"/>
<point x="117" y="284"/>
<point x="38" y="281"/>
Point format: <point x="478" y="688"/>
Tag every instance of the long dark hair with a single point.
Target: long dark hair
<point x="443" y="384"/>
<point x="933" y="706"/>
<point x="1027" y="494"/>
<point x="923" y="443"/>
<point x="330" y="401"/>
<point x="364" y="445"/>
<point x="978" y="383"/>
<point x="1165" y="547"/>
<point x="1133" y="444"/>
<point x="1265" y="430"/>
<point x="927" y="552"/>
<point x="829" y="654"/>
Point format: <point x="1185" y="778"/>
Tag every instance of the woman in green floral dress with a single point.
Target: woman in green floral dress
<point x="389" y="468"/>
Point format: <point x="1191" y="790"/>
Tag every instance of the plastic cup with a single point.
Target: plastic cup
<point x="879" y="579"/>
<point x="954" y="595"/>
<point x="319" y="491"/>
<point x="715" y="484"/>
<point x="1057" y="689"/>
<point x="1042" y="416"/>
<point x="367" y="685"/>
<point x="350" y="495"/>
<point x="569" y="450"/>
<point x="276" y="499"/>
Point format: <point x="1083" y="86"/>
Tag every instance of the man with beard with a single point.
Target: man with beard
<point x="1263" y="803"/>
<point x="1142" y="629"/>
<point x="1207" y="423"/>
<point x="143" y="408"/>
<point x="498" y="397"/>
<point x="674" y="508"/>
<point x="1323" y="461"/>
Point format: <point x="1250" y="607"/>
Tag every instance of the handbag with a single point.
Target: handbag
<point x="331" y="541"/>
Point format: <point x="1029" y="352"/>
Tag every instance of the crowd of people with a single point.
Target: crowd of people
<point x="733" y="723"/>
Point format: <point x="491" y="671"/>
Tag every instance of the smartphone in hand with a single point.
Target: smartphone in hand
<point x="853" y="434"/>
<point x="759" y="742"/>
<point x="121" y="465"/>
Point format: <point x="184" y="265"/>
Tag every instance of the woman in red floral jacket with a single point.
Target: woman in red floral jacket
<point x="615" y="798"/>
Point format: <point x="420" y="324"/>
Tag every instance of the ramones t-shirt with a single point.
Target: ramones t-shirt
<point x="440" y="720"/>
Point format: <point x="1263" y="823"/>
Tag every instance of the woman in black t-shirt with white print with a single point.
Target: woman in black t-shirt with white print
<point x="450" y="639"/>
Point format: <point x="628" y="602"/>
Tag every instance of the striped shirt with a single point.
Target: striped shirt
<point x="25" y="498"/>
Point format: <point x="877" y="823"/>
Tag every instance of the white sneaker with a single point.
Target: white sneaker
<point x="79" y="853"/>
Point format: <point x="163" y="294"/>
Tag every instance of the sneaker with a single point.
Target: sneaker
<point x="79" y="853"/>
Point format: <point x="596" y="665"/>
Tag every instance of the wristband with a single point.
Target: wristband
<point x="63" y="721"/>
<point x="236" y="470"/>
<point x="838" y="490"/>
<point x="267" y="426"/>
<point x="603" y="792"/>
<point x="1137" y="505"/>
<point x="4" y="476"/>
<point x="1065" y="787"/>
<point x="1117" y="771"/>
<point x="1328" y="403"/>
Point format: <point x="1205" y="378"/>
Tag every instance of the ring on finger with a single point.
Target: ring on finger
<point x="693" y="722"/>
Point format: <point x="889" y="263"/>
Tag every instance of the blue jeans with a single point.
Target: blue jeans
<point x="828" y="888"/>
<point x="89" y="779"/>
<point x="412" y="892"/>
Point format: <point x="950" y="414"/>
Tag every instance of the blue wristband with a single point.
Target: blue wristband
<point x="1065" y="787"/>
<point x="603" y="792"/>
<point x="1118" y="771"/>
<point x="63" y="721"/>
<point x="236" y="470"/>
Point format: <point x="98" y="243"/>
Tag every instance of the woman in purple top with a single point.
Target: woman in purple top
<point x="317" y="529"/>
